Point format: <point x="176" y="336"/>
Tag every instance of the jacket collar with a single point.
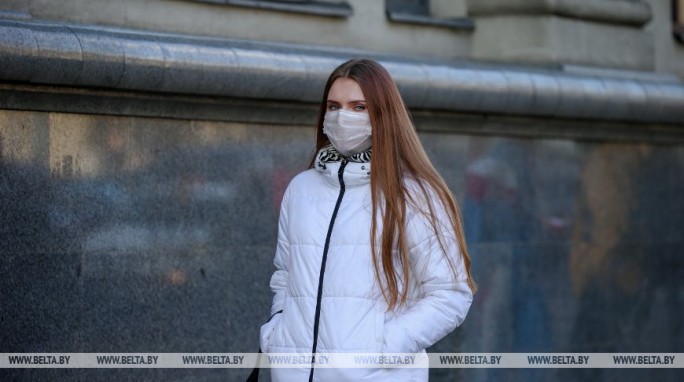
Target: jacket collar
<point x="356" y="171"/>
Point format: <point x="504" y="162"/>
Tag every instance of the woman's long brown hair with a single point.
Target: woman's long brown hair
<point x="397" y="154"/>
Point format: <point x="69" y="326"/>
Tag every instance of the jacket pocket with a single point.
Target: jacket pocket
<point x="397" y="339"/>
<point x="267" y="330"/>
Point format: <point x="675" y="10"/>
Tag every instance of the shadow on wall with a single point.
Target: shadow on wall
<point x="577" y="247"/>
<point x="626" y="259"/>
<point x="40" y="263"/>
<point x="87" y="262"/>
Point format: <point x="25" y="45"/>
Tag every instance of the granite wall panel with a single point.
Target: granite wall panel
<point x="127" y="234"/>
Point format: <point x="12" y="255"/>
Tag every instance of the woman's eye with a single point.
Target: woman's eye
<point x="360" y="107"/>
<point x="333" y="107"/>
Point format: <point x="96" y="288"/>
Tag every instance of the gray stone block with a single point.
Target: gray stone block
<point x="520" y="90"/>
<point x="467" y="83"/>
<point x="270" y="74"/>
<point x="103" y="59"/>
<point x="596" y="96"/>
<point x="440" y="81"/>
<point x="18" y="53"/>
<point x="546" y="94"/>
<point x="571" y="91"/>
<point x="218" y="69"/>
<point x="667" y="97"/>
<point x="633" y="99"/>
<point x="185" y="74"/>
<point x="411" y="80"/>
<point x="59" y="52"/>
<point x="318" y="69"/>
<point x="495" y="87"/>
<point x="144" y="65"/>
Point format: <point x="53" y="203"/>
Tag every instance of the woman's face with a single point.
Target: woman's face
<point x="346" y="94"/>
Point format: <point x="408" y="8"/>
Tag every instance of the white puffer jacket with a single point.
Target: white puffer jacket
<point x="324" y="234"/>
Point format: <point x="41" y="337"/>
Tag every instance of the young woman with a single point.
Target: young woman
<point x="370" y="181"/>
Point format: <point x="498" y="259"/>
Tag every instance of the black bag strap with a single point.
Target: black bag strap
<point x="254" y="376"/>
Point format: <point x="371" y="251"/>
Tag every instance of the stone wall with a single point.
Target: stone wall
<point x="130" y="234"/>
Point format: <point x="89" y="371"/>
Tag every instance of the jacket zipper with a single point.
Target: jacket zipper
<point x="340" y="176"/>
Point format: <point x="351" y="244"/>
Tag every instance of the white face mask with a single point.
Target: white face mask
<point x="348" y="131"/>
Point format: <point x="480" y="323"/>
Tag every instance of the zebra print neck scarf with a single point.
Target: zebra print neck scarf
<point x="329" y="154"/>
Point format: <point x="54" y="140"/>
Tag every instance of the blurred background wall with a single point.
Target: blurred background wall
<point x="145" y="146"/>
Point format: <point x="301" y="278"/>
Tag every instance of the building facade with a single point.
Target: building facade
<point x="145" y="147"/>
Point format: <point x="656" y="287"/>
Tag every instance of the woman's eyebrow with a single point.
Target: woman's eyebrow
<point x="357" y="101"/>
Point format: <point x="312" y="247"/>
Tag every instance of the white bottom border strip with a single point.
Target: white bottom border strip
<point x="341" y="360"/>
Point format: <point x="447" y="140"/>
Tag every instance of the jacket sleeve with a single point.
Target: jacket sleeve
<point x="443" y="301"/>
<point x="279" y="277"/>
